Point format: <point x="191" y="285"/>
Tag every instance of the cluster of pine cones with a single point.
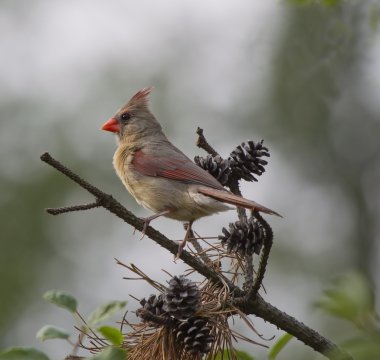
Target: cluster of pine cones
<point x="245" y="162"/>
<point x="178" y="306"/>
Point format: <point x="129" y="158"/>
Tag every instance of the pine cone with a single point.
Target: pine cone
<point x="246" y="160"/>
<point x="243" y="238"/>
<point x="154" y="304"/>
<point x="194" y="334"/>
<point x="216" y="166"/>
<point x="182" y="297"/>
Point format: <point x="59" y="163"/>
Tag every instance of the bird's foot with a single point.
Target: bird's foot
<point x="145" y="227"/>
<point x="182" y="244"/>
<point x="148" y="220"/>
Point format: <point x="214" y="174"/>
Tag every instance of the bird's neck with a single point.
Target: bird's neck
<point x="133" y="142"/>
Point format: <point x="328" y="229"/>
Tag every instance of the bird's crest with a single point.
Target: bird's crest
<point x="141" y="98"/>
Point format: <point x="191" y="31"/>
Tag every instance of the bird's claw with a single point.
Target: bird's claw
<point x="149" y="219"/>
<point x="181" y="246"/>
<point x="145" y="227"/>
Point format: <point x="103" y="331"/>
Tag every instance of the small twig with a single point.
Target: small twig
<point x="84" y="332"/>
<point x="234" y="187"/>
<point x="268" y="241"/>
<point x="198" y="248"/>
<point x="203" y="144"/>
<point x="248" y="274"/>
<point x="193" y="240"/>
<point x="248" y="283"/>
<point x="66" y="209"/>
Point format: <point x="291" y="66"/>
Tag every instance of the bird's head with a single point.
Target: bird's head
<point x="134" y="120"/>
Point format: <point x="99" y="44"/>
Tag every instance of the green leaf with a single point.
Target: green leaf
<point x="112" y="334"/>
<point x="61" y="299"/>
<point x="110" y="353"/>
<point x="374" y="14"/>
<point x="22" y="354"/>
<point x="279" y="345"/>
<point x="365" y="347"/>
<point x="328" y="3"/>
<point x="331" y="3"/>
<point x="51" y="332"/>
<point x="350" y="297"/>
<point x="240" y="355"/>
<point x="105" y="311"/>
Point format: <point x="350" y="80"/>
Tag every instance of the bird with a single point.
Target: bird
<point x="160" y="176"/>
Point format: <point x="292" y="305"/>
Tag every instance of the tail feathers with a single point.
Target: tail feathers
<point x="229" y="198"/>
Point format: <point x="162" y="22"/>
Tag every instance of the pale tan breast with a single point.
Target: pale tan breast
<point x="122" y="160"/>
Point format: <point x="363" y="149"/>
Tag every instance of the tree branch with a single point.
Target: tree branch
<point x="257" y="306"/>
<point x="202" y="143"/>
<point x="283" y="321"/>
<point x="268" y="241"/>
<point x="62" y="210"/>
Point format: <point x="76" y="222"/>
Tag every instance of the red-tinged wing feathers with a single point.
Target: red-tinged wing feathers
<point x="229" y="198"/>
<point x="177" y="167"/>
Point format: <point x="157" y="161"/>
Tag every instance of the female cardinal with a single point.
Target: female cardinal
<point x="159" y="176"/>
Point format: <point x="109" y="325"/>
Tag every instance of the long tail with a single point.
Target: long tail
<point x="229" y="198"/>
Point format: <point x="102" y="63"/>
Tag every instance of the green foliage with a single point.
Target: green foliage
<point x="105" y="311"/>
<point x="364" y="347"/>
<point x="317" y="2"/>
<point x="22" y="354"/>
<point x="52" y="332"/>
<point x="279" y="345"/>
<point x="62" y="299"/>
<point x="374" y="16"/>
<point x="240" y="355"/>
<point x="26" y="238"/>
<point x="112" y="334"/>
<point x="350" y="298"/>
<point x="110" y="353"/>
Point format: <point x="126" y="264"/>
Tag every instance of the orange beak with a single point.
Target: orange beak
<point x="111" y="125"/>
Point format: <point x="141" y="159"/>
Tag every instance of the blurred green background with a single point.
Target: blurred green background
<point x="302" y="75"/>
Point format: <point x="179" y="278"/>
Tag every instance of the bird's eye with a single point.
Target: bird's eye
<point x="125" y="116"/>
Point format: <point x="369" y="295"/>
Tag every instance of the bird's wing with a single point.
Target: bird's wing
<point x="177" y="167"/>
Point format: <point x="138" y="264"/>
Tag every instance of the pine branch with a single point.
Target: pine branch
<point x="256" y="305"/>
<point x="62" y="210"/>
<point x="202" y="143"/>
<point x="268" y="241"/>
